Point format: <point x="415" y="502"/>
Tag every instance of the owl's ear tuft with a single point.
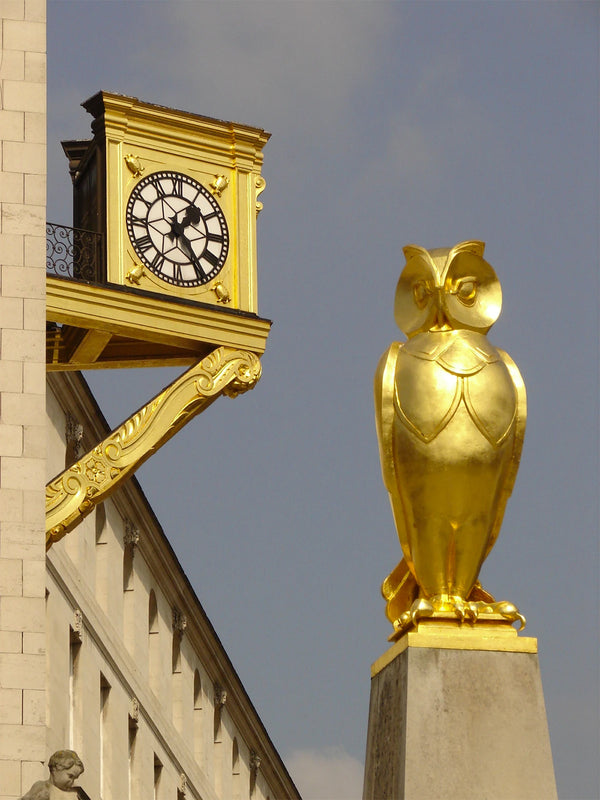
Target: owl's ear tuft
<point x="412" y="250"/>
<point x="470" y="246"/>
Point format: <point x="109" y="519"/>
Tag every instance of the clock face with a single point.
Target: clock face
<point x="177" y="229"/>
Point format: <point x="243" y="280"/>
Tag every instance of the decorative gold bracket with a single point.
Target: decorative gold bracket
<point x="73" y="494"/>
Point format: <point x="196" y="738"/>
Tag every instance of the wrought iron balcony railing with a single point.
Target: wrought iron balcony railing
<point x="73" y="253"/>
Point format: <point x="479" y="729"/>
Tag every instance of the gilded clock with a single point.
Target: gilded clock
<point x="177" y="229"/>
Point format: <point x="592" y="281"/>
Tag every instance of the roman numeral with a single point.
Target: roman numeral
<point x="157" y="263"/>
<point x="178" y="186"/>
<point x="210" y="257"/>
<point x="142" y="199"/>
<point x="178" y="275"/>
<point x="160" y="190"/>
<point x="214" y="237"/>
<point x="144" y="243"/>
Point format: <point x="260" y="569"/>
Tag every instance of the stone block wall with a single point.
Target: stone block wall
<point x="22" y="394"/>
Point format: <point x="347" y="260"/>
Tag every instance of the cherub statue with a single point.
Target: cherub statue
<point x="65" y="767"/>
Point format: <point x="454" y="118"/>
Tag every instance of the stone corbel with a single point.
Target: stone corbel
<point x="131" y="535"/>
<point x="134" y="711"/>
<point x="254" y="761"/>
<point x="220" y="695"/>
<point x="183" y="784"/>
<point x="77" y="626"/>
<point x="74" y="439"/>
<point x="179" y="622"/>
<point x="254" y="769"/>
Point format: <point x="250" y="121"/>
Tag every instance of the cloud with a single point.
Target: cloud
<point x="268" y="61"/>
<point x="327" y="774"/>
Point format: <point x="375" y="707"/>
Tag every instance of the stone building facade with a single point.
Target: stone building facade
<point x="22" y="393"/>
<point x="140" y="685"/>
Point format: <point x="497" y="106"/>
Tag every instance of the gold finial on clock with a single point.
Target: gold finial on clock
<point x="134" y="165"/>
<point x="221" y="293"/>
<point x="219" y="184"/>
<point x="135" y="274"/>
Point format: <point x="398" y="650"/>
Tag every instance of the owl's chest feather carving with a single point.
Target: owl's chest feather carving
<point x="437" y="372"/>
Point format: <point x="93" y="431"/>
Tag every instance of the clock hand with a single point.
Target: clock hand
<point x="192" y="216"/>
<point x="186" y="247"/>
<point x="176" y="229"/>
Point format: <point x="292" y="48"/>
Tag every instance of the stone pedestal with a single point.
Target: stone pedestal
<point x="462" y="718"/>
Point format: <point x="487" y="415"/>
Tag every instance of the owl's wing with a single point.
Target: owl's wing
<point x="520" y="422"/>
<point x="384" y="388"/>
<point x="400" y="590"/>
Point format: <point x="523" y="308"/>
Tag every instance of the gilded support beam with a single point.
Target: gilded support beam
<point x="74" y="493"/>
<point x="91" y="346"/>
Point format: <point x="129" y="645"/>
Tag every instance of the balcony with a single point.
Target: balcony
<point x="74" y="253"/>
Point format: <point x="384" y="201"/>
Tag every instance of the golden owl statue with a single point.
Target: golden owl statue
<point x="450" y="411"/>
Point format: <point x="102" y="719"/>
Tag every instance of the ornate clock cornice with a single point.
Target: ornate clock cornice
<point x="122" y="116"/>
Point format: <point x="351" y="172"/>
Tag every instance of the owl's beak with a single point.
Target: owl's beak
<point x="440" y="321"/>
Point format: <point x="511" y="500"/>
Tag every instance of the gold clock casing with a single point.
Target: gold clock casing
<point x="132" y="140"/>
<point x="111" y="311"/>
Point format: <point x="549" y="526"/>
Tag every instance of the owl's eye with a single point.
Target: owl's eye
<point x="466" y="291"/>
<point x="421" y="294"/>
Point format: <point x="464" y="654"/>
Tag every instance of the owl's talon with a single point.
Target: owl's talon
<point x="455" y="604"/>
<point x="510" y="612"/>
<point x="421" y="608"/>
<point x="403" y="622"/>
<point x="471" y="611"/>
<point x="503" y="607"/>
<point x="460" y="609"/>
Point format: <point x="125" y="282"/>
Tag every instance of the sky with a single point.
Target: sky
<point x="392" y="123"/>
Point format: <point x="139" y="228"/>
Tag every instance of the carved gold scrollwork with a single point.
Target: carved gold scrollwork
<point x="71" y="495"/>
<point x="259" y="184"/>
